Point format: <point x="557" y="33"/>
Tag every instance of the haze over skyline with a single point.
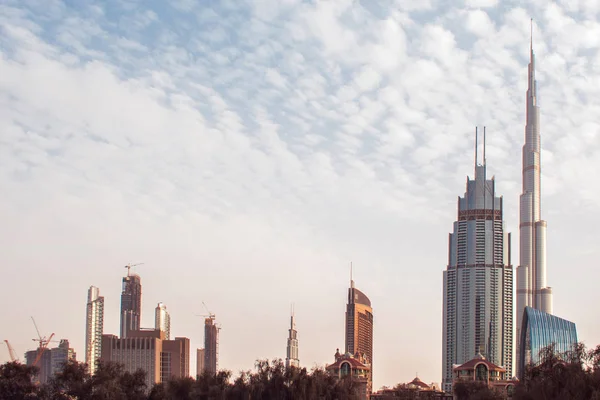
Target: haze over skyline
<point x="247" y="152"/>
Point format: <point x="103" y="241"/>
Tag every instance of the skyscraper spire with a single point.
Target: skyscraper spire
<point x="532" y="290"/>
<point x="291" y="359"/>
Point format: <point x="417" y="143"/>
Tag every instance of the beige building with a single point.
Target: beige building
<point x="149" y="351"/>
<point x="479" y="369"/>
<point x="354" y="366"/>
<point x="199" y="361"/>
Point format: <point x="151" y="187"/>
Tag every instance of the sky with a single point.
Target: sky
<point x="247" y="151"/>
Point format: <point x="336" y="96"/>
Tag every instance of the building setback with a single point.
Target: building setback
<point x="94" y="328"/>
<point x="478" y="281"/>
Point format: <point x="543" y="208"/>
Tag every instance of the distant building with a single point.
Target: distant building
<point x="199" y="361"/>
<point x="291" y="359"/>
<point x="478" y="280"/>
<point x="162" y="320"/>
<point x="355" y="367"/>
<point x="211" y="346"/>
<point x="149" y="351"/>
<point x="94" y="328"/>
<point x="481" y="370"/>
<point x="131" y="304"/>
<point x="51" y="361"/>
<point x="415" y="389"/>
<point x="359" y="327"/>
<point x="541" y="330"/>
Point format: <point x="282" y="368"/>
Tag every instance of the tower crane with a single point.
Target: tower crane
<point x="43" y="343"/>
<point x="128" y="266"/>
<point x="11" y="352"/>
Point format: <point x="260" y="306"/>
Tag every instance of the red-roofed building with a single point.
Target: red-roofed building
<point x="354" y="366"/>
<point x="481" y="370"/>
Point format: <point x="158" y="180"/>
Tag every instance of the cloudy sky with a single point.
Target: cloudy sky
<point x="247" y="152"/>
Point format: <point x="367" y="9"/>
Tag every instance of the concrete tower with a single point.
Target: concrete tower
<point x="532" y="289"/>
<point x="162" y="320"/>
<point x="211" y="345"/>
<point x="478" y="281"/>
<point x="291" y="359"/>
<point x="94" y="328"/>
<point x="131" y="304"/>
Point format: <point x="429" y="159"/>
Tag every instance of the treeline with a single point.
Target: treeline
<point x="574" y="376"/>
<point x="269" y="380"/>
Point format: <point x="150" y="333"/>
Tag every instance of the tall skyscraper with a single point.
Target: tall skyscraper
<point x="478" y="281"/>
<point x="131" y="304"/>
<point x="162" y="320"/>
<point x="94" y="328"/>
<point x="291" y="359"/>
<point x="532" y="289"/>
<point x="211" y="346"/>
<point x="359" y="326"/>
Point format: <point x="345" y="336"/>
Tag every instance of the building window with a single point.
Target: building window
<point x="345" y="370"/>
<point x="481" y="372"/>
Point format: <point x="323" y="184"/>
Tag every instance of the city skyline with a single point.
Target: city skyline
<point x="248" y="151"/>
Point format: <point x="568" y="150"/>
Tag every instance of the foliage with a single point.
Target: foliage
<point x="573" y="376"/>
<point x="475" y="391"/>
<point x="270" y="380"/>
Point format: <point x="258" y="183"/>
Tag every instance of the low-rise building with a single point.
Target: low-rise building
<point x="355" y="367"/>
<point x="480" y="370"/>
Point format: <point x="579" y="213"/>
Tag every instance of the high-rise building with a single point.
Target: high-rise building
<point x="199" y="361"/>
<point x="94" y="328"/>
<point x="162" y="320"/>
<point x="532" y="288"/>
<point x="291" y="359"/>
<point x="478" y="281"/>
<point x="359" y="327"/>
<point x="211" y="346"/>
<point x="51" y="361"/>
<point x="131" y="304"/>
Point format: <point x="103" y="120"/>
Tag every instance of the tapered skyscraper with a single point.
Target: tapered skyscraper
<point x="478" y="281"/>
<point x="291" y="359"/>
<point x="532" y="289"/>
<point x="131" y="304"/>
<point x="359" y="327"/>
<point x="94" y="328"/>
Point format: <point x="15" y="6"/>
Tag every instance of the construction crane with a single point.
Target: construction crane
<point x="128" y="266"/>
<point x="43" y="343"/>
<point x="11" y="352"/>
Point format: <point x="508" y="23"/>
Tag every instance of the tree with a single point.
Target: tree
<point x="16" y="381"/>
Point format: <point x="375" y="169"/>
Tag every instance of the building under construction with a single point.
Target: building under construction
<point x="211" y="345"/>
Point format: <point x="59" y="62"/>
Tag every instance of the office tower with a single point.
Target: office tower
<point x="478" y="281"/>
<point x="131" y="304"/>
<point x="60" y="355"/>
<point x="94" y="328"/>
<point x="51" y="361"/>
<point x="211" y="346"/>
<point x="359" y="327"/>
<point x="162" y="320"/>
<point x="291" y="359"/>
<point x="199" y="361"/>
<point x="148" y="350"/>
<point x="532" y="289"/>
<point x="541" y="330"/>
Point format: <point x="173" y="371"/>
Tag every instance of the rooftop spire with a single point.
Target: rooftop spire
<point x="531" y="86"/>
<point x="351" y="280"/>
